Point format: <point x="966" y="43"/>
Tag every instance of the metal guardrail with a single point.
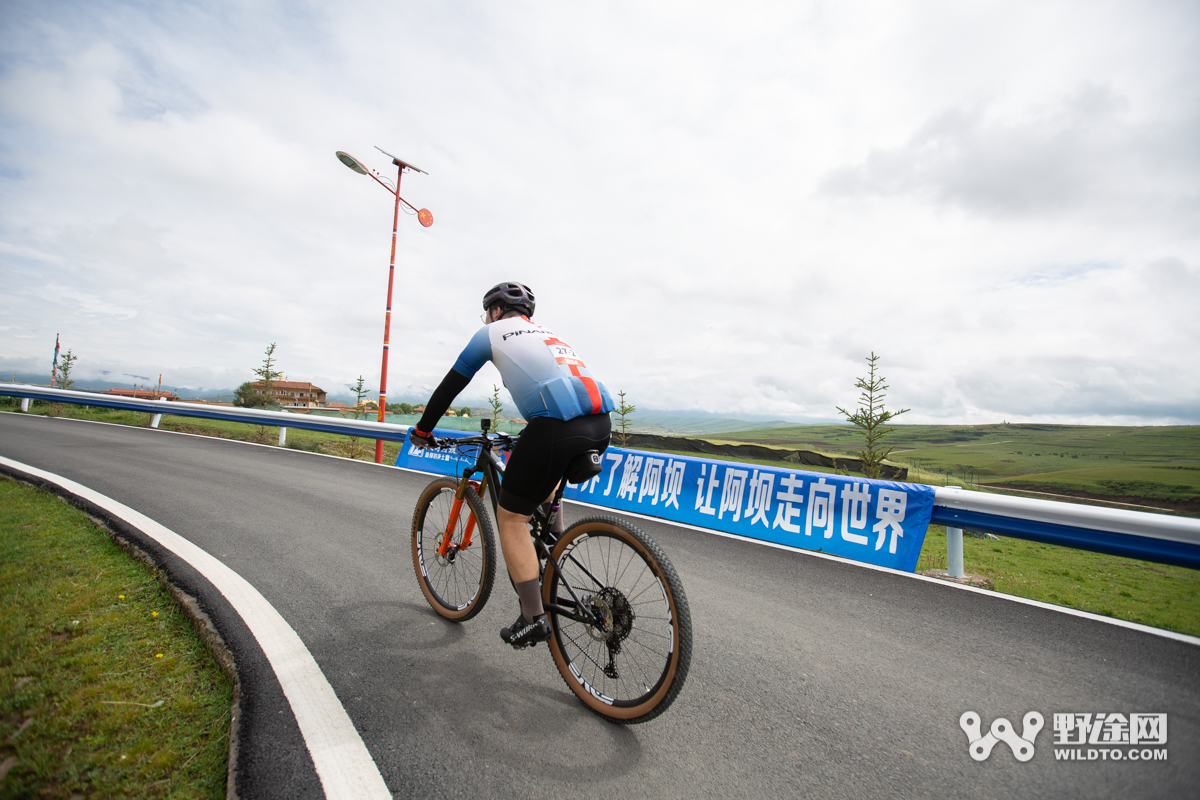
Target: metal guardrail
<point x="254" y="416"/>
<point x="1132" y="534"/>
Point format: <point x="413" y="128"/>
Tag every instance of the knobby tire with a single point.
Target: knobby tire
<point x="456" y="588"/>
<point x="633" y="667"/>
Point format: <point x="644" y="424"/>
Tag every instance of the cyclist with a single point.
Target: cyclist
<point x="567" y="411"/>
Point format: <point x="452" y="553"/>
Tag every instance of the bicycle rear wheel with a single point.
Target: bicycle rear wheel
<point x="456" y="583"/>
<point x="631" y="667"/>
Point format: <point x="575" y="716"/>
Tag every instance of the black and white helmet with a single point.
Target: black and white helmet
<point x="511" y="295"/>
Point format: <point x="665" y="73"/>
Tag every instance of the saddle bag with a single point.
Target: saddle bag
<point x="584" y="466"/>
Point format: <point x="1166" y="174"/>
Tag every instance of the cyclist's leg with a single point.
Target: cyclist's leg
<point x="532" y="625"/>
<point x="516" y="545"/>
<point x="524" y="472"/>
<point x="534" y="470"/>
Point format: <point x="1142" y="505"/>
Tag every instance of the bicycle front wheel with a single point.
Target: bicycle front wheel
<point x="631" y="664"/>
<point x="455" y="573"/>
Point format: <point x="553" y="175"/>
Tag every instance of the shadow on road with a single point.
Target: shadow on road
<point x="432" y="681"/>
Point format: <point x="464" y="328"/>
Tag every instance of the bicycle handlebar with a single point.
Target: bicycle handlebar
<point x="503" y="440"/>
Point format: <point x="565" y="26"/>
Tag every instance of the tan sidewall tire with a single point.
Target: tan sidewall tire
<point x="483" y="535"/>
<point x="617" y="713"/>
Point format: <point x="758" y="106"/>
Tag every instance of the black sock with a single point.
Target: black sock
<point x="531" y="598"/>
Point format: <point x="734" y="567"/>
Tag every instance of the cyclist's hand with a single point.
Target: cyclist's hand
<point x="420" y="438"/>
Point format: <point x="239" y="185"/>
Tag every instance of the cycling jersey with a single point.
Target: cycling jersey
<point x="540" y="371"/>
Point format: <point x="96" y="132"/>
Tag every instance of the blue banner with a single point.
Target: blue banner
<point x="878" y="522"/>
<point x="441" y="462"/>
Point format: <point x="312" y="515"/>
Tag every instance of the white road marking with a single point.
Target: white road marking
<point x="342" y="761"/>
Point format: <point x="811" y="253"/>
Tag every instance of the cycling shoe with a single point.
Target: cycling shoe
<point x="524" y="634"/>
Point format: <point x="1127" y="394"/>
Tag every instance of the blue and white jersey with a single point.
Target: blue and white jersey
<point x="541" y="371"/>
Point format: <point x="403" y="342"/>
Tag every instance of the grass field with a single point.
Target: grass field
<point x="1124" y="588"/>
<point x="1178" y="484"/>
<point x="1156" y="465"/>
<point x="105" y="688"/>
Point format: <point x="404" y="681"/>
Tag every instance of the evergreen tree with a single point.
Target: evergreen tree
<point x="497" y="406"/>
<point x="359" y="395"/>
<point x="623" y="411"/>
<point x="870" y="417"/>
<point x="267" y="374"/>
<point x="65" y="365"/>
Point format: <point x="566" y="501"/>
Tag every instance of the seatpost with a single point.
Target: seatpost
<point x="556" y="504"/>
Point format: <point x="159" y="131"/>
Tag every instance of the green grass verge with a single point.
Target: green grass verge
<point x="105" y="687"/>
<point x="1124" y="588"/>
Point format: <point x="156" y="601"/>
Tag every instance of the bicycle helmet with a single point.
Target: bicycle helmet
<point x="511" y="295"/>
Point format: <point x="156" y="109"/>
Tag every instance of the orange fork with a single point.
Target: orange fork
<point x="452" y="523"/>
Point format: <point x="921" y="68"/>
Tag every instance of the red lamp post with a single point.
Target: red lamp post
<point x="426" y="219"/>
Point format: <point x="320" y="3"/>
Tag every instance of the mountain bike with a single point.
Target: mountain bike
<point x="622" y="631"/>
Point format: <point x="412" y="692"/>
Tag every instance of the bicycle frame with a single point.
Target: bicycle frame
<point x="490" y="465"/>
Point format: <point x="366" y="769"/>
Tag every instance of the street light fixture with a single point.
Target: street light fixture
<point x="426" y="219"/>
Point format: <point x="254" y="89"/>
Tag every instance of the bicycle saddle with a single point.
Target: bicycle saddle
<point x="584" y="466"/>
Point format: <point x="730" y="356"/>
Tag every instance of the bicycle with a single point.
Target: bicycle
<point x="622" y="636"/>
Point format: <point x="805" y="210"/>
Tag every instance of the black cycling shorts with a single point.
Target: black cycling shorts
<point x="539" y="459"/>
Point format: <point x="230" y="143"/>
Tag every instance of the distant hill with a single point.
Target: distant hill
<point x="104" y="384"/>
<point x="1157" y="466"/>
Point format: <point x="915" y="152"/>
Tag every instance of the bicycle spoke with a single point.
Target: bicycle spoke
<point x="628" y="661"/>
<point x="642" y="653"/>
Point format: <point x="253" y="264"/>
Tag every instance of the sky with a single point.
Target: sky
<point x="724" y="208"/>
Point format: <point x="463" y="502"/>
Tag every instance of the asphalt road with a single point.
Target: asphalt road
<point x="809" y="676"/>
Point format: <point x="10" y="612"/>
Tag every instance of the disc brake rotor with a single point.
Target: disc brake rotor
<point x="616" y="617"/>
<point x="601" y="632"/>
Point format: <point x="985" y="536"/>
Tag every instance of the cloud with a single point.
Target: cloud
<point x="720" y="211"/>
<point x="1078" y="153"/>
